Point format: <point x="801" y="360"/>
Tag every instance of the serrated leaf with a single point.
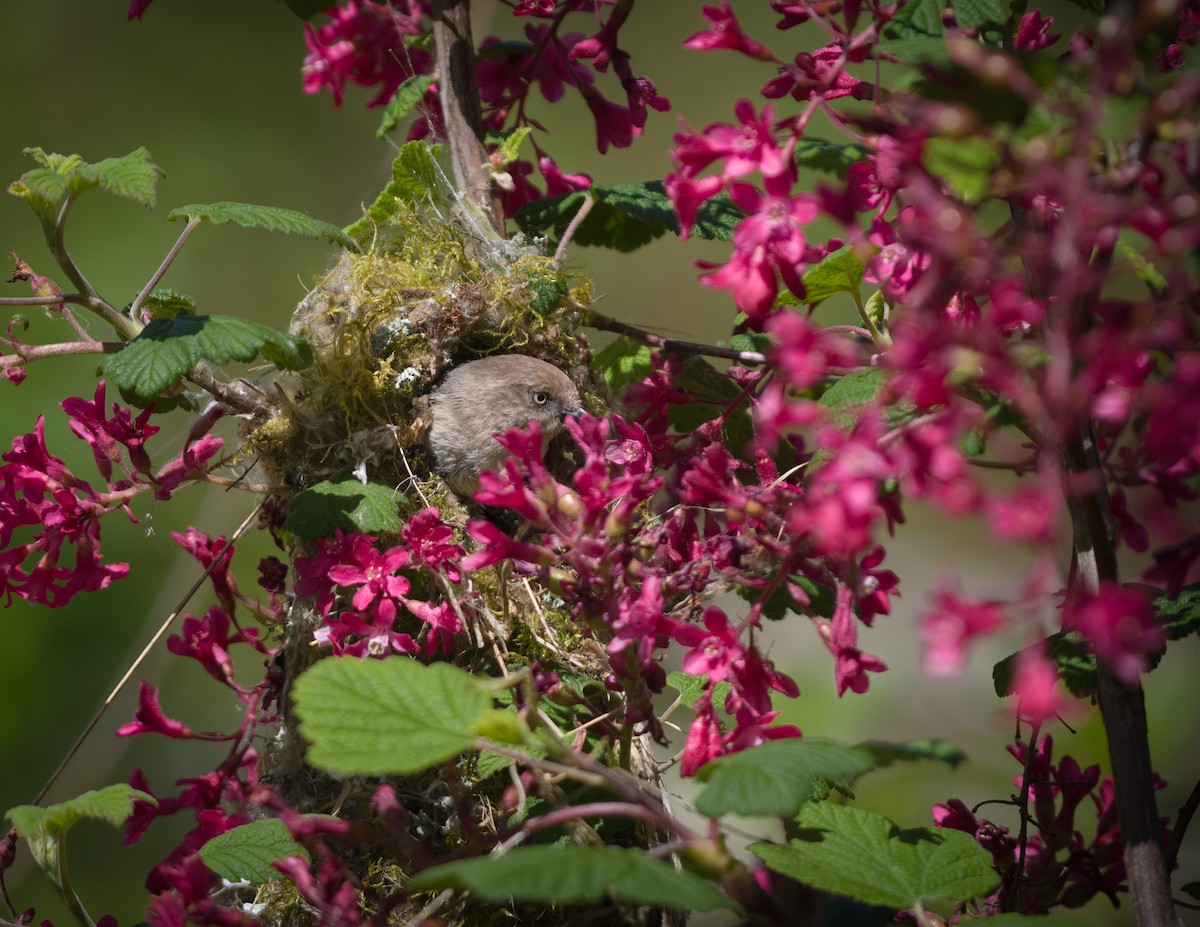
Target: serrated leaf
<point x="623" y="362"/>
<point x="966" y="165"/>
<point x="133" y="176"/>
<point x="692" y="687"/>
<point x="415" y="180"/>
<point x="168" y="348"/>
<point x="625" y="216"/>
<point x="776" y="778"/>
<point x="839" y="272"/>
<point x="846" y="397"/>
<point x="166" y="303"/>
<point x="876" y="309"/>
<point x="271" y="218"/>
<point x="112" y="803"/>
<point x="575" y="875"/>
<point x="984" y="16"/>
<point x="368" y="508"/>
<point x="886" y="753"/>
<point x="386" y="717"/>
<point x="828" y="157"/>
<point x="867" y="857"/>
<point x="1068" y="650"/>
<point x="917" y="16"/>
<point x="407" y="95"/>
<point x="1180" y="616"/>
<point x="246" y="852"/>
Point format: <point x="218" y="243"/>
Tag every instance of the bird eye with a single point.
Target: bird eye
<point x="541" y="398"/>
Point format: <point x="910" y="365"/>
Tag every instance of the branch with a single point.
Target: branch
<point x="595" y="319"/>
<point x="1122" y="707"/>
<point x="462" y="112"/>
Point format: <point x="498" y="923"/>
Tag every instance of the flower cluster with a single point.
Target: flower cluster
<point x="39" y="491"/>
<point x="374" y="44"/>
<point x="977" y="330"/>
<point x="376" y="584"/>
<point x="1062" y="867"/>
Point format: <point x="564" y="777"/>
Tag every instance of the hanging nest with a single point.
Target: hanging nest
<point x="431" y="289"/>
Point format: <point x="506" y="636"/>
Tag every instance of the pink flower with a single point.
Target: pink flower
<point x="953" y="624"/>
<point x="724" y="31"/>
<point x="1121" y="627"/>
<point x="712" y="654"/>
<point x="1033" y="32"/>
<point x="150" y="719"/>
<point x="1035" y="684"/>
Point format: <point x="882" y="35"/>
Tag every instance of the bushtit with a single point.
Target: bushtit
<point x="482" y="398"/>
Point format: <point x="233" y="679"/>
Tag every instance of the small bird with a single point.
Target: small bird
<point x="482" y="398"/>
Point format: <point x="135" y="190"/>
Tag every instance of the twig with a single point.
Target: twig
<point x="77" y="298"/>
<point x="136" y="307"/>
<point x="560" y="253"/>
<point x="462" y="112"/>
<point x="670" y="345"/>
<point x="1181" y="825"/>
<point x="241" y="529"/>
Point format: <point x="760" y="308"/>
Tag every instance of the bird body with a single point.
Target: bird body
<point x="482" y="398"/>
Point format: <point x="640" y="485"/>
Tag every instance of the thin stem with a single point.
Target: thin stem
<point x="162" y="268"/>
<point x="237" y="395"/>
<point x="462" y="111"/>
<point x="1181" y="825"/>
<point x="74" y="905"/>
<point x="77" y="298"/>
<point x="670" y="345"/>
<point x="240" y="530"/>
<point x="560" y="253"/>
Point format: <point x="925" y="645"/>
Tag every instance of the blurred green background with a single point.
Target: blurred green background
<point x="212" y="89"/>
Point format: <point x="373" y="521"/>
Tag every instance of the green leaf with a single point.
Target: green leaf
<point x="369" y="508"/>
<point x="407" y="95"/>
<point x="1155" y="282"/>
<point x="415" y="180"/>
<point x="966" y="165"/>
<point x="923" y="17"/>
<point x="865" y="856"/>
<point x="168" y="304"/>
<point x="886" y="753"/>
<point x="168" y="348"/>
<point x="271" y="218"/>
<point x="1180" y="615"/>
<point x="509" y="148"/>
<point x="246" y="852"/>
<point x="387" y="717"/>
<point x="715" y="390"/>
<point x="839" y="272"/>
<point x="575" y="875"/>
<point x="692" y="687"/>
<point x="133" y="176"/>
<point x="1075" y="662"/>
<point x="1029" y="920"/>
<point x="623" y="362"/>
<point x="828" y="157"/>
<point x="625" y="216"/>
<point x="112" y="803"/>
<point x="985" y="16"/>
<point x="846" y="397"/>
<point x="777" y="778"/>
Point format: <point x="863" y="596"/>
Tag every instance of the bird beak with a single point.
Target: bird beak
<point x="576" y="413"/>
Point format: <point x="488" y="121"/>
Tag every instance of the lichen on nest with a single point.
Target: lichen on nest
<point x="386" y="324"/>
